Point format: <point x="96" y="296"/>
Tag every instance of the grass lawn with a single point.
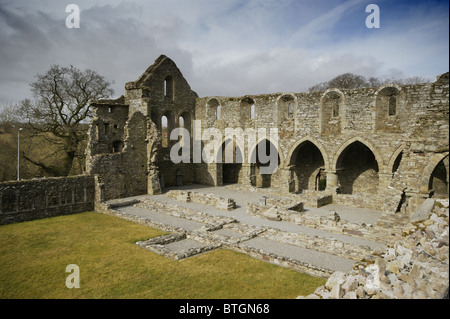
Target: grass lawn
<point x="34" y="256"/>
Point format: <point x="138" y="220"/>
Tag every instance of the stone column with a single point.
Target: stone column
<point x="384" y="180"/>
<point x="153" y="182"/>
<point x="332" y="181"/>
<point x="246" y="175"/>
<point x="287" y="179"/>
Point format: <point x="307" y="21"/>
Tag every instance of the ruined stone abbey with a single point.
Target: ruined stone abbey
<point x="378" y="155"/>
<point x="383" y="148"/>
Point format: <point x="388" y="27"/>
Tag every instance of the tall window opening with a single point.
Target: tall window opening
<point x="291" y="110"/>
<point x="392" y="105"/>
<point x="164" y="131"/>
<point x="218" y="112"/>
<point x="336" y="108"/>
<point x="168" y="87"/>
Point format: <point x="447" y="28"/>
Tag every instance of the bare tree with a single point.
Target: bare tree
<point x="8" y="117"/>
<point x="61" y="104"/>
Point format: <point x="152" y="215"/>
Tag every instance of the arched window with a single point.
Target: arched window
<point x="168" y="87"/>
<point x="252" y="112"/>
<point x="392" y="105"/>
<point x="164" y="131"/>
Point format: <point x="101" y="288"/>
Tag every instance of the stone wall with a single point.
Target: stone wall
<point x="204" y="199"/>
<point x="129" y="143"/>
<point x="45" y="197"/>
<point x="378" y="142"/>
<point x="369" y="146"/>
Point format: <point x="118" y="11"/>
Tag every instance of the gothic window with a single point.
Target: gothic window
<point x="252" y="112"/>
<point x="165" y="139"/>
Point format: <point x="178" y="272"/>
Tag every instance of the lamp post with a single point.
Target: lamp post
<point x="18" y="153"/>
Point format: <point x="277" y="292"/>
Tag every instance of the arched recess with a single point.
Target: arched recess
<point x="435" y="176"/>
<point x="357" y="167"/>
<point x="167" y="125"/>
<point x="232" y="159"/>
<point x="369" y="145"/>
<point x="253" y="148"/>
<point x="331" y="110"/>
<point x="388" y="108"/>
<point x="247" y="109"/>
<point x="213" y="110"/>
<point x="286" y="106"/>
<point x="290" y="158"/>
<point x="308" y="164"/>
<point x="264" y="168"/>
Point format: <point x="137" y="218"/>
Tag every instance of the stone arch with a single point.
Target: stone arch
<point x="308" y="163"/>
<point x="258" y="176"/>
<point x="187" y="120"/>
<point x="369" y="145"/>
<point x="394" y="158"/>
<point x="290" y="154"/>
<point x="425" y="185"/>
<point x="252" y="149"/>
<point x="167" y="125"/>
<point x="231" y="167"/>
<point x="357" y="166"/>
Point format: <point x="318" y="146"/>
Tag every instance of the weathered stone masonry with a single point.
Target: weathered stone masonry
<point x="384" y="148"/>
<point x="45" y="197"/>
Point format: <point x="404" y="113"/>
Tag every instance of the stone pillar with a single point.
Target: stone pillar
<point x="246" y="173"/>
<point x="153" y="182"/>
<point x="287" y="179"/>
<point x="332" y="181"/>
<point x="384" y="180"/>
<point x="215" y="171"/>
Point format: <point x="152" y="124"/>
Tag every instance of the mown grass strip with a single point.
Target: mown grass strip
<point x="34" y="256"/>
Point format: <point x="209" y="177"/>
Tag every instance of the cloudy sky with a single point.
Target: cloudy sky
<point x="223" y="47"/>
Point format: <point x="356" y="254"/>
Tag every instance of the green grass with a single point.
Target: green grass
<point x="34" y="256"/>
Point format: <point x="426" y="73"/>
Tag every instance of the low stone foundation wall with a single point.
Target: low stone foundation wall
<point x="316" y="199"/>
<point x="45" y="197"/>
<point x="212" y="222"/>
<point x="205" y="199"/>
<point x="322" y="244"/>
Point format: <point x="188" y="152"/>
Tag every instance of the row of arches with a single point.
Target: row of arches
<point x="332" y="104"/>
<point x="356" y="165"/>
<point x="169" y="120"/>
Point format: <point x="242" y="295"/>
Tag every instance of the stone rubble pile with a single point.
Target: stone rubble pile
<point x="415" y="267"/>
